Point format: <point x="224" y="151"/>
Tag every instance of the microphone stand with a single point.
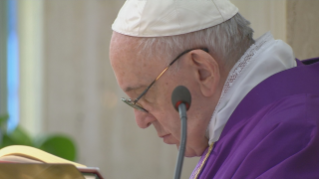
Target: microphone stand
<point x="180" y="159"/>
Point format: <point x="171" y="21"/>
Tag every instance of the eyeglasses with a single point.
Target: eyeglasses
<point x="134" y="104"/>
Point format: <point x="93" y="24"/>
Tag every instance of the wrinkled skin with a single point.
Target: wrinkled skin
<point x="198" y="71"/>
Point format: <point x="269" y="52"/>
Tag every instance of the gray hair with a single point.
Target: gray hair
<point x="226" y="42"/>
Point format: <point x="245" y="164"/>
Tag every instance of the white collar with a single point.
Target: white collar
<point x="263" y="59"/>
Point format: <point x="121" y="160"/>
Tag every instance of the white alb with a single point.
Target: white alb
<point x="263" y="59"/>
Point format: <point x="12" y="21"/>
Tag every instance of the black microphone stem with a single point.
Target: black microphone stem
<point x="181" y="153"/>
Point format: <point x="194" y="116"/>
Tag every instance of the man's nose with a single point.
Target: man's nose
<point x="143" y="119"/>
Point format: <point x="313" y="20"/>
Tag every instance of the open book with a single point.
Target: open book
<point x="26" y="154"/>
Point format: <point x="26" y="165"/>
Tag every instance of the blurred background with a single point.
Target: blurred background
<point x="55" y="77"/>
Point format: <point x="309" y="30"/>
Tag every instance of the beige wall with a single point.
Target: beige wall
<point x="80" y="96"/>
<point x="294" y="21"/>
<point x="303" y="27"/>
<point x="264" y="16"/>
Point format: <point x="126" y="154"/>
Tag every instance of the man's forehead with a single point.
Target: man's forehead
<point x="121" y="43"/>
<point x="131" y="76"/>
<point x="132" y="69"/>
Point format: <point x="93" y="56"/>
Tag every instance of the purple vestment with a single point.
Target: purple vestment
<point x="274" y="131"/>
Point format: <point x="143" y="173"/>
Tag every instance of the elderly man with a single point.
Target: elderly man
<point x="255" y="109"/>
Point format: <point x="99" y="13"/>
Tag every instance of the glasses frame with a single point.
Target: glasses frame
<point x="134" y="104"/>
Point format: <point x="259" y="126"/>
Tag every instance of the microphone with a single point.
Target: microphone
<point x="181" y="99"/>
<point x="181" y="95"/>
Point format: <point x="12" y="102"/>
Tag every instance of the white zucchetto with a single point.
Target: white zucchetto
<point x="155" y="18"/>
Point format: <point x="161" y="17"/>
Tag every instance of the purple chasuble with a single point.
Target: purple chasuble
<point x="274" y="131"/>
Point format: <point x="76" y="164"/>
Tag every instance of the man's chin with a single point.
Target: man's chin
<point x="187" y="152"/>
<point x="167" y="141"/>
<point x="191" y="153"/>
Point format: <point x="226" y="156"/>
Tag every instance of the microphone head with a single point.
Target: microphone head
<point x="181" y="95"/>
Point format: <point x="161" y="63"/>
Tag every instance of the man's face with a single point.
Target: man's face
<point x="134" y="74"/>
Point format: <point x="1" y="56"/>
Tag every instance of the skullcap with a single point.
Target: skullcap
<point x="156" y="18"/>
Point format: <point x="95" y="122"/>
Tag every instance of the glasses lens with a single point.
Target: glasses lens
<point x="135" y="106"/>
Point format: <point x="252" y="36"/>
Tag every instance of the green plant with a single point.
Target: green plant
<point x="56" y="144"/>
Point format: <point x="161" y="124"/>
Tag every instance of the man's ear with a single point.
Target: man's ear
<point x="206" y="71"/>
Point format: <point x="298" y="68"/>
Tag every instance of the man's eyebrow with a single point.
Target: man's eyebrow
<point x="128" y="89"/>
